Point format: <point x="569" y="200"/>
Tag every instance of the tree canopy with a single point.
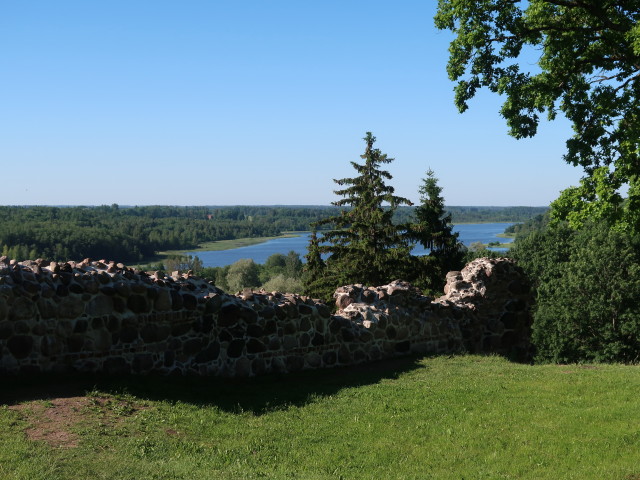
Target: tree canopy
<point x="587" y="67"/>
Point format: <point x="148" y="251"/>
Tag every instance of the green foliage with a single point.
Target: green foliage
<point x="220" y="280"/>
<point x="364" y="245"/>
<point x="475" y="214"/>
<point x="183" y="263"/>
<point x="282" y="273"/>
<point x="479" y="251"/>
<point x="432" y="229"/>
<point x="596" y="199"/>
<point x="314" y="277"/>
<point x="272" y="267"/>
<point x="282" y="283"/>
<point x="243" y="274"/>
<point x="588" y="283"/>
<point x="133" y="234"/>
<point x="466" y="214"/>
<point x="587" y="55"/>
<point x="534" y="224"/>
<point x="292" y="265"/>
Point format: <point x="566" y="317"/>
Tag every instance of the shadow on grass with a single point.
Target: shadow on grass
<point x="257" y="395"/>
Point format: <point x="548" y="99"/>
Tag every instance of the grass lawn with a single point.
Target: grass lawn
<point x="465" y="417"/>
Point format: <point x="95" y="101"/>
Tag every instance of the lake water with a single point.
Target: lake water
<point x="469" y="233"/>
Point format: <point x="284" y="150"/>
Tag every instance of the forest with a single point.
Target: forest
<point x="133" y="234"/>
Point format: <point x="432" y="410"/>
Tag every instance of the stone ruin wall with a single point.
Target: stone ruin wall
<point x="106" y="317"/>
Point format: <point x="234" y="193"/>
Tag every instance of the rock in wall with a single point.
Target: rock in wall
<point x="106" y="317"/>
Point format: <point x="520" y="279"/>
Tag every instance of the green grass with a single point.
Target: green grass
<point x="465" y="417"/>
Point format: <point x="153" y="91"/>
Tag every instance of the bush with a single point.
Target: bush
<point x="242" y="274"/>
<point x="588" y="285"/>
<point x="283" y="284"/>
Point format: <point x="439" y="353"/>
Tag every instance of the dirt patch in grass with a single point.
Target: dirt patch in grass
<point x="56" y="420"/>
<point x="53" y="420"/>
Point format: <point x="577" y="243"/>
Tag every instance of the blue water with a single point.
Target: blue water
<point x="469" y="233"/>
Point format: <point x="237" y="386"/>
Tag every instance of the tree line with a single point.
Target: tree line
<point x="132" y="234"/>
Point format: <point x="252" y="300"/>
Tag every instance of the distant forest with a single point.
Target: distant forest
<point x="131" y="234"/>
<point x="487" y="214"/>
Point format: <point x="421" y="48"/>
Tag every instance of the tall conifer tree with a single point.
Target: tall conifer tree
<point x="434" y="231"/>
<point x="364" y="245"/>
<point x="314" y="269"/>
<point x="433" y="228"/>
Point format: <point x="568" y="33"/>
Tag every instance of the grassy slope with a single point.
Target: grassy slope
<point x="444" y="418"/>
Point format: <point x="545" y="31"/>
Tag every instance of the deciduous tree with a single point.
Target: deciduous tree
<point x="579" y="58"/>
<point x="243" y="274"/>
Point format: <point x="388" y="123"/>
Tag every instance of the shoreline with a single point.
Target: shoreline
<point x="219" y="245"/>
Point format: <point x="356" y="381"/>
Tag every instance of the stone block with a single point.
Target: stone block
<point x="22" y="309"/>
<point x="162" y="302"/>
<point x="258" y="366"/>
<point x="235" y="348"/>
<point x="289" y="342"/>
<point x="189" y="301"/>
<point x="243" y="367"/>
<point x="137" y="304"/>
<point x="192" y="346"/>
<point x="255" y="346"/>
<point x="115" y="366"/>
<point x="20" y="346"/>
<point x="142" y="363"/>
<point x="294" y="363"/>
<point x="344" y="355"/>
<point x="3" y="308"/>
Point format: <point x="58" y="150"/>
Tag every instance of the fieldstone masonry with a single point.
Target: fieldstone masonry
<point x="105" y="317"/>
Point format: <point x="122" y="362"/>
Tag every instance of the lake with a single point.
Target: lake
<point x="469" y="233"/>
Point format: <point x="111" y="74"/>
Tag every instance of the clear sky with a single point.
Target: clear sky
<point x="207" y="102"/>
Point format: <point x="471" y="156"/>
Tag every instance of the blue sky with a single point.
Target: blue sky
<point x="246" y="102"/>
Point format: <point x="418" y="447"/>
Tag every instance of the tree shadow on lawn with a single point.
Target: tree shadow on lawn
<point x="258" y="395"/>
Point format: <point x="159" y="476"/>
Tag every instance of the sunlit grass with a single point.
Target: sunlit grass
<point x="451" y="418"/>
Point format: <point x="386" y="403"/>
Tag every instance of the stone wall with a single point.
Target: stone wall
<point x="106" y="317"/>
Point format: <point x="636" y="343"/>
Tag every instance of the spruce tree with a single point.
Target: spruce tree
<point x="364" y="246"/>
<point x="313" y="275"/>
<point x="433" y="230"/>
